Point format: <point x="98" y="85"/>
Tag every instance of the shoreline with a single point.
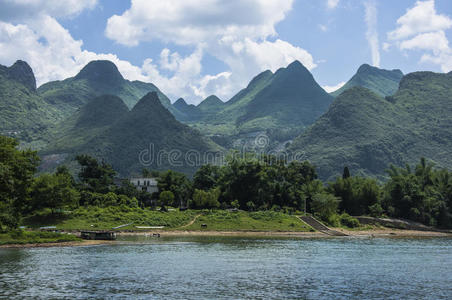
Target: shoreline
<point x="376" y="233"/>
<point x="59" y="244"/>
<point x="386" y="232"/>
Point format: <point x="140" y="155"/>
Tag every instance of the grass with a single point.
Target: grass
<point x="26" y="237"/>
<point x="221" y="220"/>
<point x="96" y="218"/>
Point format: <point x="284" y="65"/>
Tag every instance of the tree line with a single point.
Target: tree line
<point x="254" y="182"/>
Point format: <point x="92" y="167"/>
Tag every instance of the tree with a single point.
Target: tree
<point x="146" y="173"/>
<point x="17" y="168"/>
<point x="346" y="173"/>
<point x="54" y="191"/>
<point x="205" y="199"/>
<point x="96" y="177"/>
<point x="325" y="205"/>
<point x="206" y="177"/>
<point x="166" y="198"/>
<point x="178" y="184"/>
<point x="357" y="194"/>
<point x="423" y="195"/>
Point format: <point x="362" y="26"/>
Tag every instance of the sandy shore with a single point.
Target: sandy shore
<point x="385" y="232"/>
<point x="389" y="232"/>
<point x="225" y="233"/>
<point x="59" y="244"/>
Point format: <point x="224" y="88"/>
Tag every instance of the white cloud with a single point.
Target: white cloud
<point x="331" y="4"/>
<point x="434" y="41"/>
<point x="420" y="19"/>
<point x="332" y="88"/>
<point x="237" y="33"/>
<point x="192" y="21"/>
<point x="443" y="59"/>
<point x="234" y="32"/>
<point x="372" y="33"/>
<point x="422" y="28"/>
<point x="50" y="50"/>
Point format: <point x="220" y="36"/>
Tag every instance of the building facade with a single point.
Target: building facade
<point x="145" y="184"/>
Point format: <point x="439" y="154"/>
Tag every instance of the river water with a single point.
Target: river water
<point x="233" y="268"/>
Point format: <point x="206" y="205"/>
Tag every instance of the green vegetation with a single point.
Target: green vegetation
<point x="379" y="81"/>
<point x="367" y="133"/>
<point x="105" y="218"/>
<point x="292" y="98"/>
<point x="286" y="100"/>
<point x="23" y="112"/>
<point x="254" y="183"/>
<point x="222" y="220"/>
<point x="120" y="137"/>
<point x="24" y="237"/>
<point x="211" y="105"/>
<point x="95" y="79"/>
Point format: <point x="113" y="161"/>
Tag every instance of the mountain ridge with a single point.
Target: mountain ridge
<point x="381" y="81"/>
<point x="367" y="132"/>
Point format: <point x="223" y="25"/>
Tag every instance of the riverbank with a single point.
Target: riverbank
<point x="373" y="233"/>
<point x="58" y="244"/>
<point x="378" y="232"/>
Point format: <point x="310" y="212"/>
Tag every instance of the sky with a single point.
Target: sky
<point x="195" y="48"/>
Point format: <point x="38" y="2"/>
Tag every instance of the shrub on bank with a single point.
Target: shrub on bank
<point x="19" y="236"/>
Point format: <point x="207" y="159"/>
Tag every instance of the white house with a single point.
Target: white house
<point x="145" y="184"/>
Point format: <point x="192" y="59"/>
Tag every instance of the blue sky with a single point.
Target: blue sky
<point x="194" y="48"/>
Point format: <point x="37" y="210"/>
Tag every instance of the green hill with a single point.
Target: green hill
<point x="119" y="136"/>
<point x="86" y="123"/>
<point x="291" y="98"/>
<point x="380" y="81"/>
<point x="97" y="78"/>
<point x="188" y="112"/>
<point x="23" y="113"/>
<point x="286" y="100"/>
<point x="366" y="132"/>
<point x="211" y="104"/>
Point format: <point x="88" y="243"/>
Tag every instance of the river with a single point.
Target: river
<point x="233" y="268"/>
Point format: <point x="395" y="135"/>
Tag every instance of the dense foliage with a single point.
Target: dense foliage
<point x="23" y="112"/>
<point x="128" y="139"/>
<point x="249" y="182"/>
<point x="367" y="132"/>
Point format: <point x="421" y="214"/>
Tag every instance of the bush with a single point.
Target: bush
<point x="324" y="205"/>
<point x="349" y="221"/>
<point x="376" y="210"/>
<point x="205" y="199"/>
<point x="166" y="198"/>
<point x="16" y="233"/>
<point x="333" y="220"/>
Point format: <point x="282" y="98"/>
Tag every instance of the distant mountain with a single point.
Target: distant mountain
<point x="120" y="136"/>
<point x="225" y="120"/>
<point x="188" y="112"/>
<point x="291" y="98"/>
<point x="380" y="81"/>
<point x="97" y="78"/>
<point x="23" y="112"/>
<point x="86" y="123"/>
<point x="288" y="100"/>
<point x="211" y="104"/>
<point x="366" y="132"/>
